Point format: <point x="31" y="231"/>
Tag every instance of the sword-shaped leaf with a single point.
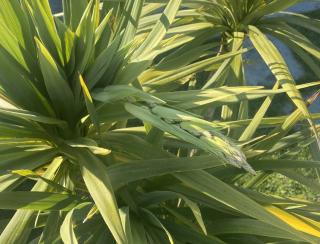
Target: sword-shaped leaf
<point x="59" y="91"/>
<point x="187" y="128"/>
<point x="159" y="30"/>
<point x="96" y="178"/>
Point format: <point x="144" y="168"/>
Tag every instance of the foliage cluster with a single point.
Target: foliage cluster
<point x="128" y="122"/>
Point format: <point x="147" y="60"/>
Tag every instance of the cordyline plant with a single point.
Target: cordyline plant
<point x="103" y="138"/>
<point x="255" y="24"/>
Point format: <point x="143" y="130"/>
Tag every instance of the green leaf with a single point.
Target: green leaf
<point x="159" y="30"/>
<point x="185" y="234"/>
<point x="188" y="128"/>
<point x="247" y="226"/>
<point x="274" y="164"/>
<point x="103" y="26"/>
<point x="161" y="196"/>
<point x="67" y="229"/>
<point x="269" y="8"/>
<point x="51" y="230"/>
<point x="25" y="59"/>
<point x="130" y="20"/>
<point x="125" y="220"/>
<point x="138" y="232"/>
<point x="98" y="68"/>
<point x="20" y="225"/>
<point x="122" y="174"/>
<point x="288" y="34"/>
<point x="28" y="115"/>
<point x="97" y="181"/>
<point x="8" y="182"/>
<point x="297" y="19"/>
<point x="42" y="18"/>
<point x="118" y="93"/>
<point x="130" y="72"/>
<point x="58" y="89"/>
<point x="67" y="38"/>
<point x="172" y="78"/>
<point x="23" y="92"/>
<point x="37" y="201"/>
<point x="249" y="132"/>
<point x="85" y="35"/>
<point x="13" y="15"/>
<point x="25" y="159"/>
<point x="278" y="67"/>
<point x="216" y="189"/>
<point x="89" y="104"/>
<point x="154" y="221"/>
<point x="217" y="96"/>
<point x="73" y="11"/>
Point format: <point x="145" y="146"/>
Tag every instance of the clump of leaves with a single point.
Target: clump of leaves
<point x="93" y="119"/>
<point x="258" y="25"/>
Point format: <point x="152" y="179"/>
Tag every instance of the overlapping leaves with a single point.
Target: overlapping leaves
<point x="102" y="118"/>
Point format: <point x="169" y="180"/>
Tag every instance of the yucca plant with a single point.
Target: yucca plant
<point x="257" y="25"/>
<point x="97" y="146"/>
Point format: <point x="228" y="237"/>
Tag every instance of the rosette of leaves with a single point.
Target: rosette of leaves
<point x="78" y="164"/>
<point x="258" y="25"/>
